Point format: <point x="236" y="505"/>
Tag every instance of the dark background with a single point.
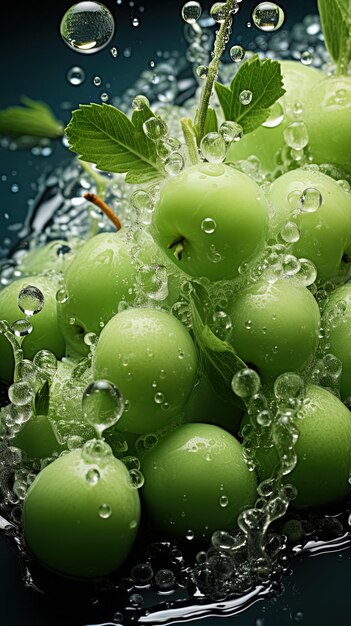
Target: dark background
<point x="34" y="62"/>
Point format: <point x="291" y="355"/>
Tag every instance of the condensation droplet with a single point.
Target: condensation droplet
<point x="105" y="511"/>
<point x="92" y="476"/>
<point x="87" y="27"/>
<point x="310" y="200"/>
<point x="296" y="135"/>
<point x="208" y="225"/>
<point x="245" y="97"/>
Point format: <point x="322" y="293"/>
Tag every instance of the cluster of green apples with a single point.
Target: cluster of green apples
<point x="275" y="261"/>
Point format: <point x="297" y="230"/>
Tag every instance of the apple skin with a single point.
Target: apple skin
<point x="187" y="472"/>
<point x="338" y="334"/>
<point x="275" y="327"/>
<point x="327" y="115"/>
<point x="228" y="197"/>
<point x="61" y="521"/>
<point x="321" y="475"/>
<point x="325" y="234"/>
<point x="101" y="276"/>
<point x="46" y="334"/>
<point x="145" y="352"/>
<point x="37" y="439"/>
<point x="266" y="143"/>
<point x="50" y="257"/>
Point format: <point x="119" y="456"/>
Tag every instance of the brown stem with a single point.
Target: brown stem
<point x="94" y="199"/>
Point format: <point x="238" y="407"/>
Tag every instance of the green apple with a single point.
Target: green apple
<point x="323" y="449"/>
<point x="149" y="355"/>
<point x="275" y="327"/>
<point x="266" y="142"/>
<point x="325" y="226"/>
<point x="51" y="257"/>
<point x="80" y="518"/>
<point x="336" y="320"/>
<point x="197" y="481"/>
<point x="210" y="219"/>
<point x="46" y="334"/>
<point x="327" y="117"/>
<point x="37" y="438"/>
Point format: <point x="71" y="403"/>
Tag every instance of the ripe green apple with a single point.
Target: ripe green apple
<point x="323" y="449"/>
<point x="327" y="117"/>
<point x="104" y="273"/>
<point x="325" y="233"/>
<point x="336" y="320"/>
<point x="275" y="327"/>
<point x="80" y="519"/>
<point x="196" y="480"/>
<point x="151" y="358"/>
<point x="210" y="219"/>
<point x="51" y="257"/>
<point x="266" y="142"/>
<point x="46" y="334"/>
<point x="37" y="438"/>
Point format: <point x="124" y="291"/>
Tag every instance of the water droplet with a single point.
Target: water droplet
<point x="21" y="393"/>
<point x="136" y="599"/>
<point x="22" y="328"/>
<point x="290" y="232"/>
<point x="295" y="135"/>
<point x="165" y="580"/>
<point x="135" y="22"/>
<point x="289" y="388"/>
<point x="276" y="116"/>
<point x="92" y="476"/>
<point x="218" y="12"/>
<point x="245" y="97"/>
<point x="159" y="397"/>
<point x="76" y="75"/>
<point x="30" y="300"/>
<point x="189" y="535"/>
<point x="105" y="511"/>
<point x="268" y="16"/>
<point x="208" y="225"/>
<point x="142" y="574"/>
<point x="97" y="81"/>
<point x="191" y="12"/>
<point x="202" y="71"/>
<point x="104" y="96"/>
<point x="237" y="53"/>
<point x="87" y="27"/>
<point x="102" y="405"/>
<point x="155" y="128"/>
<point x="213" y="148"/>
<point x="222" y="540"/>
<point x="223" y="501"/>
<point x="307" y="274"/>
<point x="96" y="451"/>
<point x="62" y="296"/>
<point x="306" y="57"/>
<point x="310" y="200"/>
<point x="174" y="164"/>
<point x="140" y="102"/>
<point x="231" y="131"/>
<point x="45" y="361"/>
<point x="137" y="478"/>
<point x="246" y="383"/>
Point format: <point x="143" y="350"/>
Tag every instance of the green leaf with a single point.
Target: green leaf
<point x="218" y="358"/>
<point x="103" y="135"/>
<point x="335" y="18"/>
<point x="264" y="79"/>
<point x="211" y="124"/>
<point x="32" y="119"/>
<point x="42" y="400"/>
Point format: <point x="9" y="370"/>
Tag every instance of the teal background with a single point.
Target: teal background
<point x="34" y="63"/>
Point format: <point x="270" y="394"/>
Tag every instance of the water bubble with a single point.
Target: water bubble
<point x="142" y="574"/>
<point x="246" y="383"/>
<point x="22" y="328"/>
<point x="137" y="478"/>
<point x="159" y="397"/>
<point x="289" y="387"/>
<point x="306" y="57"/>
<point x="202" y="71"/>
<point x="62" y="296"/>
<point x="189" y="535"/>
<point x="174" y="164"/>
<point x="231" y="131"/>
<point x="105" y="511"/>
<point x="218" y="12"/>
<point x="135" y="22"/>
<point x="222" y="540"/>
<point x="191" y="12"/>
<point x="237" y="53"/>
<point x="345" y="185"/>
<point x="45" y="360"/>
<point x="223" y="501"/>
<point x="21" y="393"/>
<point x="96" y="451"/>
<point x="104" y="96"/>
<point x="208" y="225"/>
<point x="136" y="599"/>
<point x="268" y="16"/>
<point x="245" y="97"/>
<point x="222" y="324"/>
<point x="26" y="370"/>
<point x="87" y="27"/>
<point x="114" y="52"/>
<point x="30" y="300"/>
<point x="102" y="405"/>
<point x="165" y="580"/>
<point x="289" y="232"/>
<point x="97" y="81"/>
<point x="310" y="200"/>
<point x="213" y="148"/>
<point x="295" y="135"/>
<point x="155" y="128"/>
<point x="140" y="102"/>
<point x="76" y="75"/>
<point x="92" y="476"/>
<point x="276" y="116"/>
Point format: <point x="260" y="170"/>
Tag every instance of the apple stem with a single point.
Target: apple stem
<point x="178" y="246"/>
<point x="94" y="199"/>
<point x="219" y="47"/>
<point x="190" y="139"/>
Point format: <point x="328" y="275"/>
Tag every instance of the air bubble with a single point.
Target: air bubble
<point x="246" y="383"/>
<point x="295" y="135"/>
<point x="87" y="27"/>
<point x="76" y="75"/>
<point x="213" y="148"/>
<point x="268" y="16"/>
<point x="237" y="53"/>
<point x="191" y="12"/>
<point x="245" y="97"/>
<point x="30" y="300"/>
<point x="105" y="511"/>
<point x="231" y="131"/>
<point x="102" y="405"/>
